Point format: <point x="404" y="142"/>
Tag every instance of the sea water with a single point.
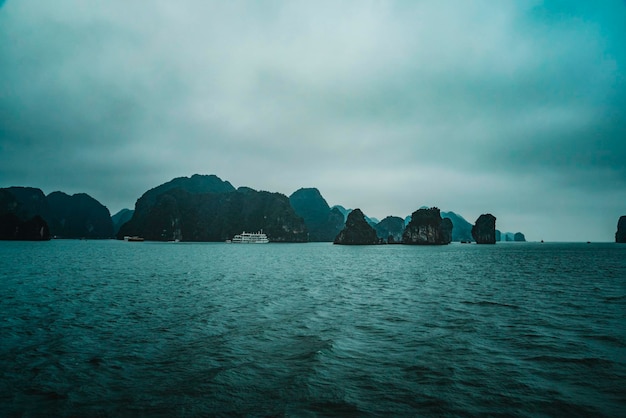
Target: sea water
<point x="112" y="328"/>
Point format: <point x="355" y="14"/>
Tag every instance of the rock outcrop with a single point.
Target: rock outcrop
<point x="77" y="216"/>
<point x="322" y="222"/>
<point x="120" y="218"/>
<point x="428" y="228"/>
<point x="510" y="236"/>
<point x="390" y="229"/>
<point x="620" y="235"/>
<point x="462" y="230"/>
<point x="190" y="213"/>
<point x="484" y="230"/>
<point x="33" y="229"/>
<point x="357" y="231"/>
<point x="195" y="184"/>
<point x="24" y="202"/>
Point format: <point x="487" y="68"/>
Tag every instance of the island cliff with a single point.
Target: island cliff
<point x="120" y="218"/>
<point x="33" y="229"/>
<point x="462" y="230"/>
<point x="620" y="235"/>
<point x="322" y="222"/>
<point x="357" y="231"/>
<point x="510" y="236"/>
<point x="428" y="228"/>
<point x="484" y="230"/>
<point x="77" y="216"/>
<point x="203" y="208"/>
<point x="390" y="229"/>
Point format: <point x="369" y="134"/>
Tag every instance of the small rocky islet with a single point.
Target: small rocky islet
<point x="426" y="227"/>
<point x="620" y="235"/>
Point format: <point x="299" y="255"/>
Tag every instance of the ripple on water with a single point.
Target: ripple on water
<point x="312" y="330"/>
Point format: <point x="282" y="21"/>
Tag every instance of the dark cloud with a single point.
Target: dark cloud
<point x="515" y="108"/>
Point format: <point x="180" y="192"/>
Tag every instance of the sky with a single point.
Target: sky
<point x="515" y="108"/>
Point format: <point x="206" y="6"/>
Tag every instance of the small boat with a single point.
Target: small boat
<point x="133" y="238"/>
<point x="249" y="238"/>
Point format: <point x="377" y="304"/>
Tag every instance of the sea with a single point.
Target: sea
<point x="105" y="328"/>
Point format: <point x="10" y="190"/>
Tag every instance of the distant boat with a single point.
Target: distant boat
<point x="133" y="238"/>
<point x="249" y="238"/>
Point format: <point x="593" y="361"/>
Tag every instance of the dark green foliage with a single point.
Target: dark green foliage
<point x="194" y="184"/>
<point x="510" y="236"/>
<point x="78" y="216"/>
<point x="484" y="230"/>
<point x="26" y="202"/>
<point x="180" y="214"/>
<point x="620" y="235"/>
<point x="427" y="228"/>
<point x="336" y="221"/>
<point x="446" y="230"/>
<point x="8" y="202"/>
<point x="120" y="218"/>
<point x="357" y="231"/>
<point x="390" y="229"/>
<point x="20" y="214"/>
<point x="343" y="211"/>
<point x="322" y="223"/>
<point x="33" y="229"/>
<point x="462" y="229"/>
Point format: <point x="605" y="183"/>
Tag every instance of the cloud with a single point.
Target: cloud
<point x="381" y="105"/>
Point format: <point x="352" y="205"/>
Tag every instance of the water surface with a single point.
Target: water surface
<point x="111" y="328"/>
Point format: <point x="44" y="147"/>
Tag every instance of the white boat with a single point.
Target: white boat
<point x="250" y="238"/>
<point x="133" y="239"/>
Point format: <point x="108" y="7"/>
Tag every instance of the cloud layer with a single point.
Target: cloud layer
<point x="513" y="107"/>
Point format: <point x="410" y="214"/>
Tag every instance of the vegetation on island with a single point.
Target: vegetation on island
<point x="60" y="215"/>
<point x="620" y="235"/>
<point x="203" y="208"/>
<point x="207" y="208"/>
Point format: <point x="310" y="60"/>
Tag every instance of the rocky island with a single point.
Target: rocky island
<point x="428" y="228"/>
<point x="33" y="229"/>
<point x="38" y="216"/>
<point x="322" y="222"/>
<point x="205" y="208"/>
<point x="484" y="230"/>
<point x="390" y="229"/>
<point x="357" y="231"/>
<point x="620" y="235"/>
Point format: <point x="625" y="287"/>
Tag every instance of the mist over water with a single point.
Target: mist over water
<point x="110" y="328"/>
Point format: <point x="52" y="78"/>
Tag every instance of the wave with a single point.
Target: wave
<point x="490" y="303"/>
<point x="585" y="361"/>
<point x="615" y="298"/>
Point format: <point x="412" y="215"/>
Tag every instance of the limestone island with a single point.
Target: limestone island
<point x="484" y="230"/>
<point x="620" y="235"/>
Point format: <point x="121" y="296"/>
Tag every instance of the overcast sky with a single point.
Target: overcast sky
<point x="515" y="108"/>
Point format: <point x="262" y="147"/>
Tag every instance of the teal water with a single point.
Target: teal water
<point x="110" y="328"/>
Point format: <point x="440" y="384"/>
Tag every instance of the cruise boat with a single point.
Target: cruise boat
<point x="250" y="238"/>
<point x="133" y="239"/>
